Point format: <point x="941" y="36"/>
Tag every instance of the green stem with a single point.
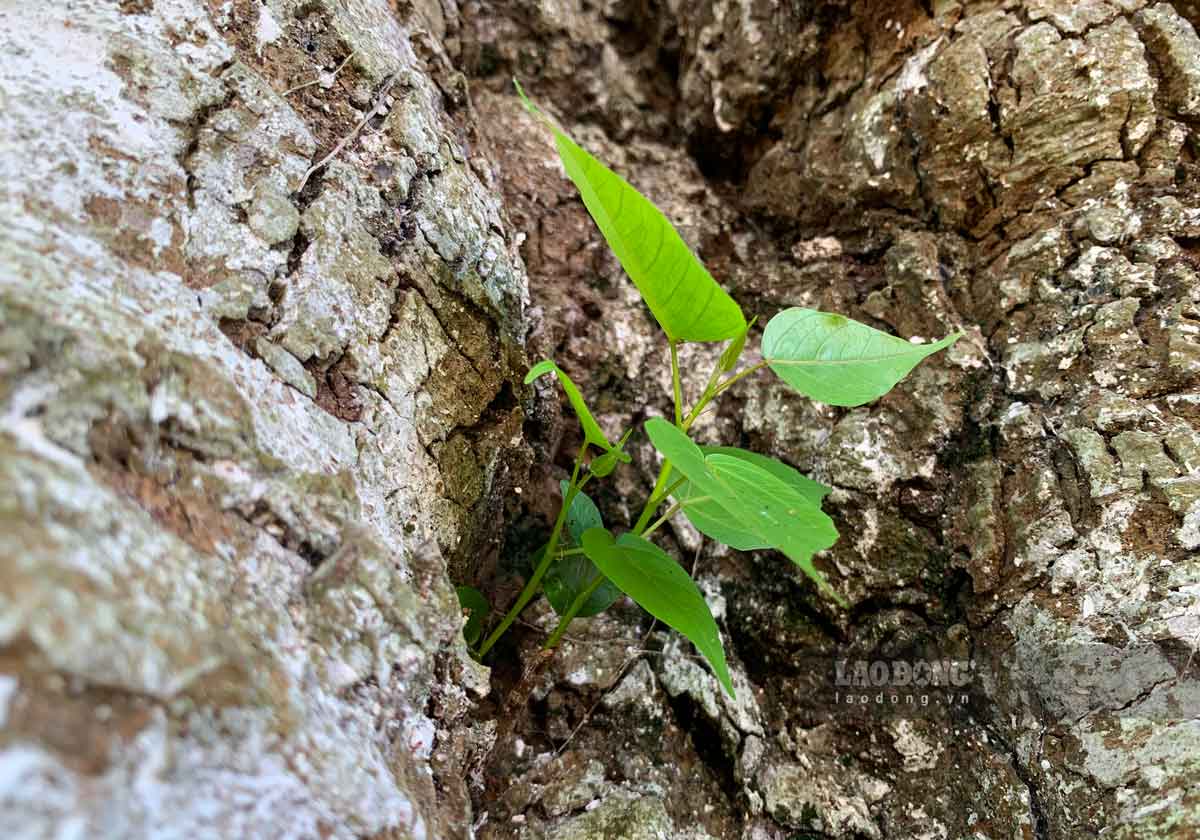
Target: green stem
<point x="739" y="375"/>
<point x="674" y="486"/>
<point x="656" y="496"/>
<point x="676" y="384"/>
<point x="572" y="611"/>
<point x="531" y="586"/>
<point x="671" y="511"/>
<point x="711" y="393"/>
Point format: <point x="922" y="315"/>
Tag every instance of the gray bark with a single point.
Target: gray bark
<point x="243" y="420"/>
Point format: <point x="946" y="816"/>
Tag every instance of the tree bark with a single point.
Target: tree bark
<point x="262" y="322"/>
<point x="1024" y="172"/>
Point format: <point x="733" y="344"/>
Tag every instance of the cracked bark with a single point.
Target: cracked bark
<point x="1028" y="252"/>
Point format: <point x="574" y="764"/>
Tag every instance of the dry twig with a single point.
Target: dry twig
<point x="320" y="78"/>
<point x="380" y="98"/>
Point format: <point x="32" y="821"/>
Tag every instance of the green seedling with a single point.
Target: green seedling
<point x="742" y="499"/>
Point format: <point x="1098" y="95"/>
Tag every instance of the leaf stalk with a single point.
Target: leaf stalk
<point x="572" y="611"/>
<point x="531" y="586"/>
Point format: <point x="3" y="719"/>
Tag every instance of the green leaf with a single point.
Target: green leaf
<point x="582" y="515"/>
<point x="733" y="352"/>
<point x="814" y="491"/>
<point x="746" y="503"/>
<point x="572" y="574"/>
<point x="604" y="464"/>
<point x="727" y="527"/>
<point x="569" y="577"/>
<point x="591" y="429"/>
<point x="686" y="301"/>
<point x="647" y="574"/>
<point x="834" y="360"/>
<point x="477" y="607"/>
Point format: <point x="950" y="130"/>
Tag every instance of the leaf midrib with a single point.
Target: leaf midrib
<point x="855" y="361"/>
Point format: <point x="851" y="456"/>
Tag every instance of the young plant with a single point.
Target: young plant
<point x="742" y="499"/>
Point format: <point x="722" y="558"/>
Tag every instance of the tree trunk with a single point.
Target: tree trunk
<point x="262" y="322"/>
<point x="1030" y="502"/>
<point x="263" y="293"/>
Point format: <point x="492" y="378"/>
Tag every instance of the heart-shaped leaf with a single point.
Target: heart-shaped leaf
<point x="727" y="527"/>
<point x="756" y="507"/>
<point x="834" y="360"/>
<point x="571" y="574"/>
<point x="686" y="301"/>
<point x="647" y="574"/>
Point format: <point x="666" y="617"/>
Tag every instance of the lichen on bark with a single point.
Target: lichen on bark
<point x="231" y="458"/>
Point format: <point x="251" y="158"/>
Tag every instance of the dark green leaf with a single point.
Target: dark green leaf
<point x="647" y="574"/>
<point x="477" y="608"/>
<point x="747" y="503"/>
<point x="686" y="301"/>
<point x="573" y="573"/>
<point x="834" y="360"/>
<point x="582" y="515"/>
<point x="569" y="577"/>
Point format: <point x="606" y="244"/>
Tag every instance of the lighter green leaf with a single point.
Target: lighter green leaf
<point x="573" y="573"/>
<point x="477" y="608"/>
<point x="649" y="576"/>
<point x="591" y="429"/>
<point x="686" y="301"/>
<point x="756" y="506"/>
<point x="786" y="519"/>
<point x="834" y="360"/>
<point x="814" y="491"/>
<point x="727" y="527"/>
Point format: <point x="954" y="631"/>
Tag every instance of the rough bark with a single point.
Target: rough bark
<point x="249" y="408"/>
<point x="1022" y="171"/>
<point x="257" y="418"/>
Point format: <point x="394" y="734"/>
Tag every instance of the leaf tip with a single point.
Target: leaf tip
<point x="723" y="678"/>
<point x="521" y="93"/>
<point x="540" y="369"/>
